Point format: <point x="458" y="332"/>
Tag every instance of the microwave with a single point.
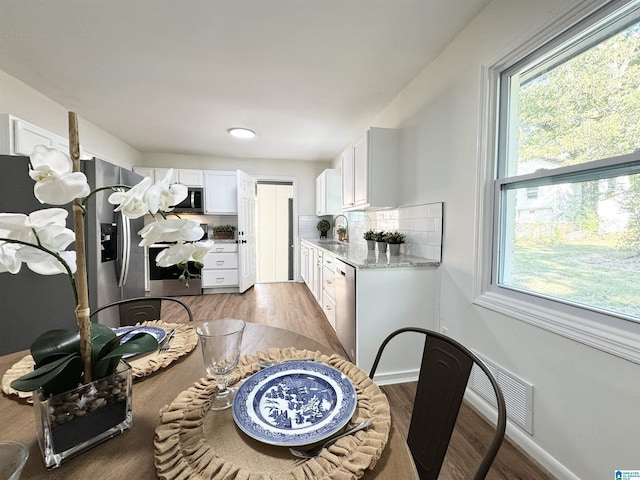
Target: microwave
<point x="194" y="203"/>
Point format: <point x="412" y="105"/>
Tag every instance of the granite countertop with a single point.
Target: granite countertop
<point x="360" y="257"/>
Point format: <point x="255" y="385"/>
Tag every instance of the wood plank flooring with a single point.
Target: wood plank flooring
<point x="291" y="306"/>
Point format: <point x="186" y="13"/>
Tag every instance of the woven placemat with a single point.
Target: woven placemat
<point x="195" y="443"/>
<point x="184" y="341"/>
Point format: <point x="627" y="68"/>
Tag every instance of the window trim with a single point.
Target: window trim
<point x="608" y="333"/>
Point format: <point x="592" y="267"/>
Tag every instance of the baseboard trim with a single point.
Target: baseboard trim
<point x="522" y="440"/>
<point x="396" y="377"/>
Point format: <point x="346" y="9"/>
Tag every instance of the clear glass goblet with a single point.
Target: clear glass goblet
<point x="13" y="456"/>
<point x="220" y="341"/>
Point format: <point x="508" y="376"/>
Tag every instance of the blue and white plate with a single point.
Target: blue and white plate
<point x="157" y="332"/>
<point x="294" y="403"/>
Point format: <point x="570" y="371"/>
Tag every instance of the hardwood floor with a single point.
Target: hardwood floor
<point x="291" y="306"/>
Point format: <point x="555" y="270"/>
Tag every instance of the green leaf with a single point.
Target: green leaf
<point x="54" y="342"/>
<point x="62" y="373"/>
<point x="110" y="356"/>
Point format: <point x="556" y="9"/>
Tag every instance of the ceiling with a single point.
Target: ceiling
<point x="171" y="76"/>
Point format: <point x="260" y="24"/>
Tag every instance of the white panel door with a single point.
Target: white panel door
<point x="246" y="230"/>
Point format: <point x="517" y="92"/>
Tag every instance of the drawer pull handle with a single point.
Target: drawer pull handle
<point x="219" y="262"/>
<point x="219" y="249"/>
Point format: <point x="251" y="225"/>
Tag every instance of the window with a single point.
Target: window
<point x="566" y="184"/>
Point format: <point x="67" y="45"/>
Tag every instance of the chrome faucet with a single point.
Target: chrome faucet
<point x="346" y="237"/>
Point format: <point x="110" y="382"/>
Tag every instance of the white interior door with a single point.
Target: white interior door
<point x="246" y="230"/>
<point x="273" y="243"/>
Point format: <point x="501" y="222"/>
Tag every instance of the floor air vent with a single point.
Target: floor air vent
<point x="518" y="394"/>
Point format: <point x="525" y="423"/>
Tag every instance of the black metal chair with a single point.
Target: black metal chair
<point x="444" y="374"/>
<point x="141" y="309"/>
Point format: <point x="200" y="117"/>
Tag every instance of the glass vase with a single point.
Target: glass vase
<point x="74" y="421"/>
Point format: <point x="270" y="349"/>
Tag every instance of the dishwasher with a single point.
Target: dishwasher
<point x="345" y="295"/>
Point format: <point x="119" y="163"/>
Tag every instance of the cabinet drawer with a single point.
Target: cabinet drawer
<point x="219" y="261"/>
<point x="223" y="248"/>
<point x="328" y="287"/>
<point x="329" y="309"/>
<point x="219" y="278"/>
<point x="329" y="262"/>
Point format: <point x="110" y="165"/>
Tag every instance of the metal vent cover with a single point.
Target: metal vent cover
<point x="518" y="394"/>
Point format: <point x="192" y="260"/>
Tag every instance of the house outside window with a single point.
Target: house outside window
<point x="566" y="183"/>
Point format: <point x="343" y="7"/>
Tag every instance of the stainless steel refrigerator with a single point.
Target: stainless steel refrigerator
<point x="31" y="304"/>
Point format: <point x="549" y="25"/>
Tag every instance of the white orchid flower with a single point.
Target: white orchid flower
<point x="56" y="182"/>
<point x="171" y="230"/>
<point x="202" y="248"/>
<point x="163" y="195"/>
<point x="132" y="203"/>
<point x="176" y="254"/>
<point x="45" y="227"/>
<point x="19" y="226"/>
<point x="183" y="252"/>
<point x="8" y="261"/>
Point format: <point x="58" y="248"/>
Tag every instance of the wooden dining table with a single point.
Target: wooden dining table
<point x="131" y="454"/>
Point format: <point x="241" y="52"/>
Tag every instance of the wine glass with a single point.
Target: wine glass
<point x="220" y="341"/>
<point x="13" y="456"/>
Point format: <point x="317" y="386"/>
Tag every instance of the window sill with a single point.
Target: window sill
<point x="613" y="335"/>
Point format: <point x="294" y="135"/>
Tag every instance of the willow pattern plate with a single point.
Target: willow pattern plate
<point x="294" y="403"/>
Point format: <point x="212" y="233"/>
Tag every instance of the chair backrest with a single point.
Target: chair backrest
<point x="141" y="309"/>
<point x="444" y="374"/>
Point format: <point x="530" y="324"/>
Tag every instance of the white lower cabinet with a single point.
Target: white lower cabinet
<point x="385" y="299"/>
<point x="329" y="309"/>
<point x="317" y="269"/>
<point x="220" y="268"/>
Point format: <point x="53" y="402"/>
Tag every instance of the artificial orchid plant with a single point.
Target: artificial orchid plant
<point x="40" y="240"/>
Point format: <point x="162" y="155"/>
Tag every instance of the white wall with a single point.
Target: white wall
<point x="16" y="98"/>
<point x="586" y="419"/>
<point x="24" y="102"/>
<point x="305" y="173"/>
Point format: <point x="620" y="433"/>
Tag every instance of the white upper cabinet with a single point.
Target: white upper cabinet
<point x="328" y="195"/>
<point x="221" y="192"/>
<point x="347" y="179"/>
<point x="187" y="177"/>
<point x="370" y="171"/>
<point x="18" y="137"/>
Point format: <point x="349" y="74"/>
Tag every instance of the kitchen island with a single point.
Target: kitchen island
<point x="390" y="292"/>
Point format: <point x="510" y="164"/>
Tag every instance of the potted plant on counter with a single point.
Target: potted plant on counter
<point x="370" y="237"/>
<point x="379" y="237"/>
<point x="341" y="231"/>
<point x="223" y="232"/>
<point x="82" y="392"/>
<point x="394" y="240"/>
<point x="323" y="227"/>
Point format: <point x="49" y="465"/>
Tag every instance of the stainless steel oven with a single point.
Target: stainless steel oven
<point x="163" y="281"/>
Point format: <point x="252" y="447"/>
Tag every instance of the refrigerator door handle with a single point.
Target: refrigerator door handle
<point x="126" y="249"/>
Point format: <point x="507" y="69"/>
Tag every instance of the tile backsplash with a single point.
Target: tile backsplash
<point x="422" y="225"/>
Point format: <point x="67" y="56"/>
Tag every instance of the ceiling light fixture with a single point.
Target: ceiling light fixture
<point x="240" y="132"/>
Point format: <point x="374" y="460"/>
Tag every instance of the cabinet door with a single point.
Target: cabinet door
<point x="190" y="178"/>
<point x="361" y="170"/>
<point x="304" y="265"/>
<point x="221" y="195"/>
<point x="27" y="136"/>
<point x="160" y="173"/>
<point x="321" y="194"/>
<point x="347" y="179"/>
